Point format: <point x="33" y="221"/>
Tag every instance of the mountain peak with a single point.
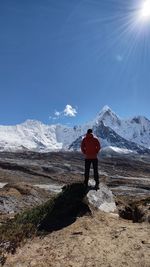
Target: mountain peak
<point x="106" y="112"/>
<point x="105" y="109"/>
<point x="108" y="117"/>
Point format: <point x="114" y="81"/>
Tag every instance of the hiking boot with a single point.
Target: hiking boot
<point x="96" y="186"/>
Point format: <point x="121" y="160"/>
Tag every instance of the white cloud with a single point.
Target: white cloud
<point x="68" y="111"/>
<point x="57" y="113"/>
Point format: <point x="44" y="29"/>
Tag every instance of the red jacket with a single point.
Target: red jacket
<point x="90" y="146"/>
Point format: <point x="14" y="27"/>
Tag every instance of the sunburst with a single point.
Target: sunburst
<point x="144" y="12"/>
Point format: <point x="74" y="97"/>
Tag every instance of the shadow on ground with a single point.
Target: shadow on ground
<point x="66" y="208"/>
<point x="55" y="214"/>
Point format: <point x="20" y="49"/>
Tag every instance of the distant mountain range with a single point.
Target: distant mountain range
<point x="127" y="134"/>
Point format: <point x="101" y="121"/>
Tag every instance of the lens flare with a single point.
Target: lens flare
<point x="145" y="10"/>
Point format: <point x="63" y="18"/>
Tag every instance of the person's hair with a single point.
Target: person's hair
<point x="89" y="131"/>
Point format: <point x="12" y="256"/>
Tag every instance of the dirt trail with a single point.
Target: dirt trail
<point x="98" y="241"/>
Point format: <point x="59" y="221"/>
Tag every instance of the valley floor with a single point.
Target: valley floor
<point x="100" y="240"/>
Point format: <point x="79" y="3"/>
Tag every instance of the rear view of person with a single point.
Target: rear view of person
<point x="90" y="146"/>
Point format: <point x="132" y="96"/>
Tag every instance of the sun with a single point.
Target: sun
<point x="145" y="10"/>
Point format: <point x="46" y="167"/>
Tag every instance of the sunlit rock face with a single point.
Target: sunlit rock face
<point x="102" y="199"/>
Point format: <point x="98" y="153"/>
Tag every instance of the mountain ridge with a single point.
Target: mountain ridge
<point x="132" y="134"/>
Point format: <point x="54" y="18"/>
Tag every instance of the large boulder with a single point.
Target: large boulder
<point x="101" y="199"/>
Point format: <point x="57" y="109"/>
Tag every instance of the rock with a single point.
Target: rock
<point x="16" y="197"/>
<point x="102" y="199"/>
<point x="137" y="209"/>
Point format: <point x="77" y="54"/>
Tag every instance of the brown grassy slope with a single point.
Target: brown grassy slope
<point x="97" y="241"/>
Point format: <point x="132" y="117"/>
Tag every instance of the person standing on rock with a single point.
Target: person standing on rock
<point x="90" y="146"/>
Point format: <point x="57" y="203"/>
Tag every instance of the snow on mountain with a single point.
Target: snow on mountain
<point x="66" y="135"/>
<point x="136" y="129"/>
<point x="32" y="135"/>
<point x="118" y="150"/>
<point x="108" y="117"/>
<point x="36" y="136"/>
<point x="108" y="137"/>
<point x="131" y="134"/>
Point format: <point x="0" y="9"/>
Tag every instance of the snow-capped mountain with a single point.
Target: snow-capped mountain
<point x="136" y="129"/>
<point x="36" y="136"/>
<point x="132" y="134"/>
<point x="109" y="137"/>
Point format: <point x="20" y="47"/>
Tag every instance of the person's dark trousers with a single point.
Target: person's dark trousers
<point x="87" y="170"/>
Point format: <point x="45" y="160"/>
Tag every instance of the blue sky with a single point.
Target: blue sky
<point x="62" y="61"/>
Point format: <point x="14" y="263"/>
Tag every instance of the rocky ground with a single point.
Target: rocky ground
<point x="98" y="239"/>
<point x="92" y="241"/>
<point x="125" y="176"/>
<point x="68" y="167"/>
<point x="16" y="197"/>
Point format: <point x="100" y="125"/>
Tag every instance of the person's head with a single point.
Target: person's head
<point x="89" y="131"/>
